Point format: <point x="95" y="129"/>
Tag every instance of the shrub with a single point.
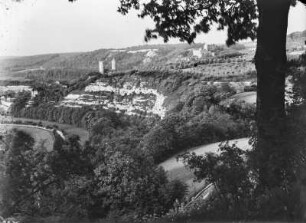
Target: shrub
<point x="232" y="180"/>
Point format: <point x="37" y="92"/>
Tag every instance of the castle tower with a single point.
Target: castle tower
<point x="101" y="67"/>
<point x="113" y="64"/>
<point x="205" y="47"/>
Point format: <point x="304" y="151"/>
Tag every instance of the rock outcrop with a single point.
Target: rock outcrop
<point x="146" y="93"/>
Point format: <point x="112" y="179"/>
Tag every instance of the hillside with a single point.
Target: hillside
<point x="137" y="57"/>
<point x="151" y="93"/>
<point x="297" y="36"/>
<point x="147" y="57"/>
<point x="127" y="58"/>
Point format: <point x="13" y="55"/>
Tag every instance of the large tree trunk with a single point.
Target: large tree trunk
<point x="271" y="158"/>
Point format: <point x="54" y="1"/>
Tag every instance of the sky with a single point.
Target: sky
<point x="56" y="26"/>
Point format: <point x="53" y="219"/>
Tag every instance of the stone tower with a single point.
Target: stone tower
<point x="101" y="67"/>
<point x="113" y="64"/>
<point x="205" y="47"/>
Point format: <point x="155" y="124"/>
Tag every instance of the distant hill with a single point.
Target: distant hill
<point x="297" y="36"/>
<point x="127" y="58"/>
<point x="137" y="57"/>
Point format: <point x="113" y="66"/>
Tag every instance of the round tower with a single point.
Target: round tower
<point x="205" y="47"/>
<point x="113" y="64"/>
<point x="101" y="67"/>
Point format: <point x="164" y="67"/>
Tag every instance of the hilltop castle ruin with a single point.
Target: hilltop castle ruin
<point x="102" y="68"/>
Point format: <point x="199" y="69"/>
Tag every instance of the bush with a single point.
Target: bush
<point x="232" y="179"/>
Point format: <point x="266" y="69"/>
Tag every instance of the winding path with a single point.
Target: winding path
<point x="42" y="136"/>
<point x="176" y="169"/>
<point x="248" y="97"/>
<point x="69" y="129"/>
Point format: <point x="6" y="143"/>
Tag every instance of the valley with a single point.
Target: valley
<point x="149" y="82"/>
<point x="113" y="121"/>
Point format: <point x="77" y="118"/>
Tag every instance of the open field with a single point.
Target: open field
<point x="5" y="76"/>
<point x="223" y="69"/>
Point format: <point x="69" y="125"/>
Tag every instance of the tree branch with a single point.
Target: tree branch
<point x="303" y="1"/>
<point x="33" y="192"/>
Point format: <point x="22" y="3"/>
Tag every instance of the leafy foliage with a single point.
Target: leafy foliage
<point x="185" y="19"/>
<point x="231" y="178"/>
<point x="21" y="101"/>
<point x="18" y="174"/>
<point x="48" y="93"/>
<point x="130" y="184"/>
<point x="98" y="180"/>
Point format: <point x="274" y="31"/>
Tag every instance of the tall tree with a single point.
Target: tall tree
<point x="270" y="61"/>
<point x="184" y="19"/>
